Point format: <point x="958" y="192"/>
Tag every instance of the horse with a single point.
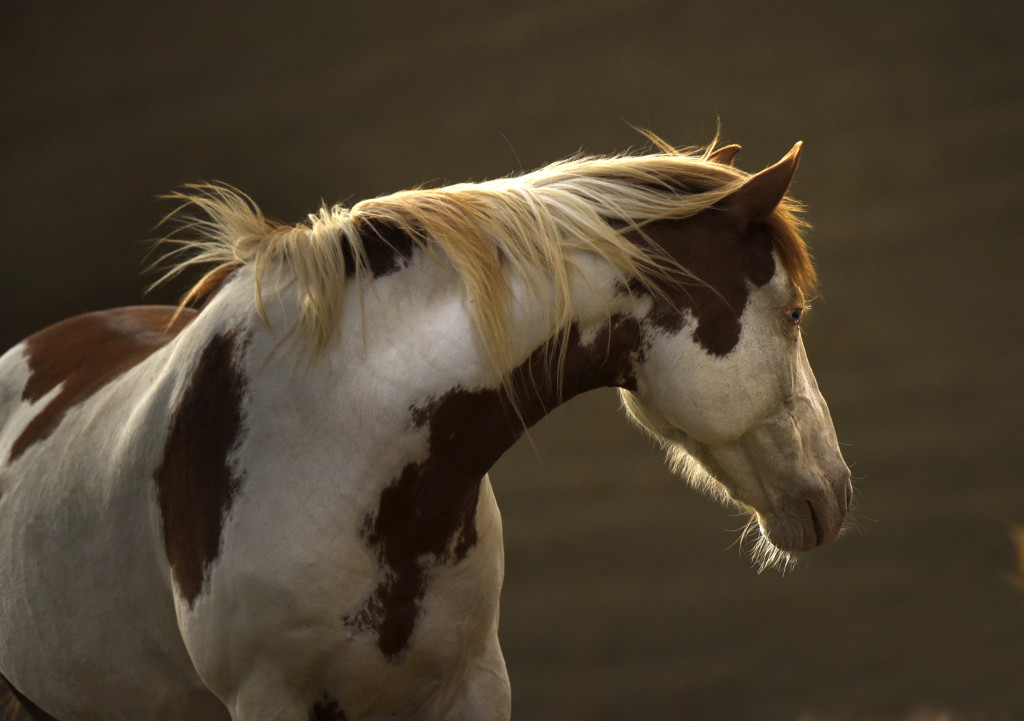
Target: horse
<point x="271" y="501"/>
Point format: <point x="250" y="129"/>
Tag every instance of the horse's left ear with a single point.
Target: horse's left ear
<point x="761" y="193"/>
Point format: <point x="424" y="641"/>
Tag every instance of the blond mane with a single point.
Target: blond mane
<point x="528" y="227"/>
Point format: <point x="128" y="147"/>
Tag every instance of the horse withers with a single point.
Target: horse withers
<point x="277" y="506"/>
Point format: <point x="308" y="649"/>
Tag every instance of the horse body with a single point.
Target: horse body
<point x="197" y="522"/>
<point x="309" y="441"/>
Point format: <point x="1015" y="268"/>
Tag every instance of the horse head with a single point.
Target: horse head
<point x="723" y="379"/>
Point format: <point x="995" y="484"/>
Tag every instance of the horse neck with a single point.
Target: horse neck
<point x="406" y="367"/>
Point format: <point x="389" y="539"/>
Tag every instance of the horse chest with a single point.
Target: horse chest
<point x="451" y="631"/>
<point x="316" y="596"/>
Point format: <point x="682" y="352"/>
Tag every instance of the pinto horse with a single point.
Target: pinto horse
<point x="277" y="506"/>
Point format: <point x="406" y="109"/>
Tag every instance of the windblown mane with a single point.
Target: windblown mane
<point x="527" y="226"/>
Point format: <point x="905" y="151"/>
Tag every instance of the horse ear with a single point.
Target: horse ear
<point x="724" y="155"/>
<point x="761" y="193"/>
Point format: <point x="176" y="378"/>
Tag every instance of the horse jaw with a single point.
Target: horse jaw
<point x="795" y="508"/>
<point x="786" y="469"/>
<point x="789" y="475"/>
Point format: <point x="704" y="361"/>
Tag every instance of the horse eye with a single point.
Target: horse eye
<point x="795" y="314"/>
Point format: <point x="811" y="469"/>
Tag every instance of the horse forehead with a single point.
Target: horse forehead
<point x="85" y="353"/>
<point x="725" y="266"/>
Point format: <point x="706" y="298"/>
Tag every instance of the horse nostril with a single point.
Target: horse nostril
<point x="848" y="494"/>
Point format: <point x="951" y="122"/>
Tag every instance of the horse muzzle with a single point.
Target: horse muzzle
<point x="805" y="518"/>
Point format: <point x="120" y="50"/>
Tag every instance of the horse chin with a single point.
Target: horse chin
<point x="786" y="533"/>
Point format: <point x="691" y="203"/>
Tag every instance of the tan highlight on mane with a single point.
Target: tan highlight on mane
<point x="528" y="227"/>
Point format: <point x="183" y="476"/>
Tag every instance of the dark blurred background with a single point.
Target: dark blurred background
<point x="625" y="598"/>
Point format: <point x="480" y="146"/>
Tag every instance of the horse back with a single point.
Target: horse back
<point x="77" y="357"/>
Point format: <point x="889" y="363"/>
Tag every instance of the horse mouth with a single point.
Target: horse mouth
<point x="819" y="533"/>
<point x="798" y="524"/>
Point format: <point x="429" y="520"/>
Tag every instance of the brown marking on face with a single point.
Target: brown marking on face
<point x="426" y="516"/>
<point x="195" y="482"/>
<point x="326" y="709"/>
<point x="725" y="262"/>
<point x="84" y="353"/>
<point x="18" y="708"/>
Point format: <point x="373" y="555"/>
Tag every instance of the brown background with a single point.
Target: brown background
<point x="623" y="599"/>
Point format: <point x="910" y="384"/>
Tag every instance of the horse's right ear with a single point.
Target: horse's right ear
<point x="761" y="193"/>
<point x="724" y="155"/>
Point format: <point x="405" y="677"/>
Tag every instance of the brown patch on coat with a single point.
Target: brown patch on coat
<point x="426" y="516"/>
<point x="726" y="263"/>
<point x="15" y="707"/>
<point x="387" y="248"/>
<point x="84" y="353"/>
<point x="195" y="482"/>
<point x="327" y="709"/>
